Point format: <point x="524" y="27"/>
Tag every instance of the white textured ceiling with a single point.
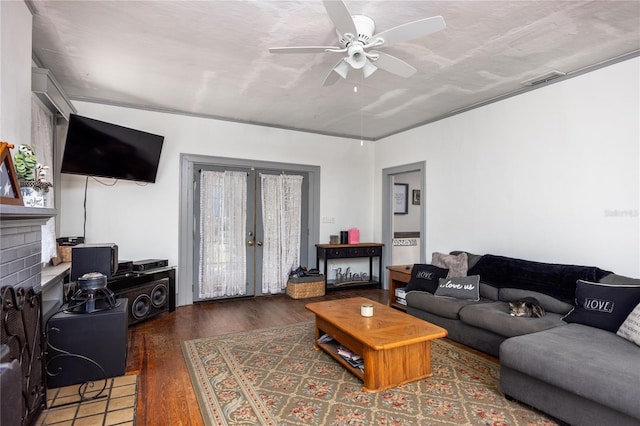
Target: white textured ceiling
<point x="210" y="58"/>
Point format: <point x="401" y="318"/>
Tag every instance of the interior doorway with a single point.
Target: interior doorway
<point x="403" y="214"/>
<point x="189" y="253"/>
<point x="405" y="248"/>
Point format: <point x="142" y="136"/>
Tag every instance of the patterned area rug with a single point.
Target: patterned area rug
<point x="275" y="377"/>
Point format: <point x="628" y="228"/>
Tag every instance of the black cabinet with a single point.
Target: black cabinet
<point x="340" y="252"/>
<point x="86" y="347"/>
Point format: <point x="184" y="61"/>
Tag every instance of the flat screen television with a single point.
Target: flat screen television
<point x="97" y="148"/>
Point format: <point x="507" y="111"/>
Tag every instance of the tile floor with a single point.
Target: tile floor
<point x="118" y="407"/>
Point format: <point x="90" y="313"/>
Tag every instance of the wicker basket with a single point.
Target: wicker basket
<point x="302" y="288"/>
<point x="65" y="253"/>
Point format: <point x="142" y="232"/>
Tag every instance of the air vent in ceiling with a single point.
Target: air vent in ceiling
<point x="543" y="78"/>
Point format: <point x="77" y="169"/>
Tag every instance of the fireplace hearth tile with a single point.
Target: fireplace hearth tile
<point x="116" y="407"/>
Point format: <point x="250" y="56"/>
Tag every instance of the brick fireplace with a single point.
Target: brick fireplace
<point x="22" y="373"/>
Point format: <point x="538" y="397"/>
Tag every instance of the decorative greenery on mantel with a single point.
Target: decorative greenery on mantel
<point x="37" y="185"/>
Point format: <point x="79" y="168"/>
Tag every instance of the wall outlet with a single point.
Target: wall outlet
<point x="328" y="219"/>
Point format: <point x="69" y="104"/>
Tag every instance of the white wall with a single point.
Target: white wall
<point x="409" y="222"/>
<point x="551" y="175"/>
<point x="15" y="72"/>
<point x="143" y="220"/>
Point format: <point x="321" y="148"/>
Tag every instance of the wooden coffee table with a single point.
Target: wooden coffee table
<point x="395" y="346"/>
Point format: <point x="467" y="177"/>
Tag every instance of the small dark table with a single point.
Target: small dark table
<point x="328" y="252"/>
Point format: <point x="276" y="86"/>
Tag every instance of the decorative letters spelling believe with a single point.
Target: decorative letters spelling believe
<point x="350" y="276"/>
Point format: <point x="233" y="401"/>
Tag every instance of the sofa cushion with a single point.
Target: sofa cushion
<point x="425" y="277"/>
<point x="467" y="288"/>
<point x="488" y="291"/>
<point x="630" y="328"/>
<point x="495" y="317"/>
<point x="555" y="280"/>
<point x="442" y="306"/>
<point x="472" y="259"/>
<point x="456" y="264"/>
<point x="604" y="306"/>
<point x="592" y="363"/>
<point x="550" y="304"/>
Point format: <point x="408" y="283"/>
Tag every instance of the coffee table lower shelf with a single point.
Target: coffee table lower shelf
<point x="331" y="348"/>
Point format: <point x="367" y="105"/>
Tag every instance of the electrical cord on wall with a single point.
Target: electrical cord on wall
<point x="84" y="225"/>
<point x="86" y="184"/>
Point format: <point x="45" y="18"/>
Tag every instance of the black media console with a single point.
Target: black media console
<point x="150" y="292"/>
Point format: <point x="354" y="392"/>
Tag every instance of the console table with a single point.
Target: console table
<point x="327" y="252"/>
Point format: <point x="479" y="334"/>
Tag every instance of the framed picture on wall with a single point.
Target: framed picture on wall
<point x="401" y="198"/>
<point x="415" y="199"/>
<point x="9" y="188"/>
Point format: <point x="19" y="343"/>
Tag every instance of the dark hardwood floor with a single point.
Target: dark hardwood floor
<point x="165" y="394"/>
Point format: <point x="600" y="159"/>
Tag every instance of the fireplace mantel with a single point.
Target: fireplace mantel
<point x="20" y="227"/>
<point x="9" y="212"/>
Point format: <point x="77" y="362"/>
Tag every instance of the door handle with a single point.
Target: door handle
<point x="250" y="243"/>
<point x="259" y="243"/>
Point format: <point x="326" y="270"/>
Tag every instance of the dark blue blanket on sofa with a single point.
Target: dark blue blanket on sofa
<point x="555" y="280"/>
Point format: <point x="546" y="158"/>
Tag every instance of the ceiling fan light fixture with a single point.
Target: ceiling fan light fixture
<point x="342" y="69"/>
<point x="368" y="69"/>
<point x="357" y="57"/>
<point x="356" y="62"/>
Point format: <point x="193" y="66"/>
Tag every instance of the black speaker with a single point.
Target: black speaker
<point x="146" y="300"/>
<point x="80" y="346"/>
<point x="101" y="258"/>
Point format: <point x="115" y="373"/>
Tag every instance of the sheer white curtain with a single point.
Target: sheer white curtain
<point x="281" y="218"/>
<point x="223" y="218"/>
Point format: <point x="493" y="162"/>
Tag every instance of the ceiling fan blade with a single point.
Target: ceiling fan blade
<point x="340" y="16"/>
<point x="412" y="30"/>
<point x="331" y="78"/>
<point x="393" y="65"/>
<point x="301" y="49"/>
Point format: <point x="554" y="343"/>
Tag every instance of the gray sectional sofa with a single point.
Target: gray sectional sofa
<point x="564" y="364"/>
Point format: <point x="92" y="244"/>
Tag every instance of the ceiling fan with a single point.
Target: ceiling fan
<point x="356" y="38"/>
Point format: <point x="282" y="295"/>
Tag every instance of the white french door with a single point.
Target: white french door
<point x="248" y="231"/>
<point x="222" y="269"/>
<point x="281" y="197"/>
